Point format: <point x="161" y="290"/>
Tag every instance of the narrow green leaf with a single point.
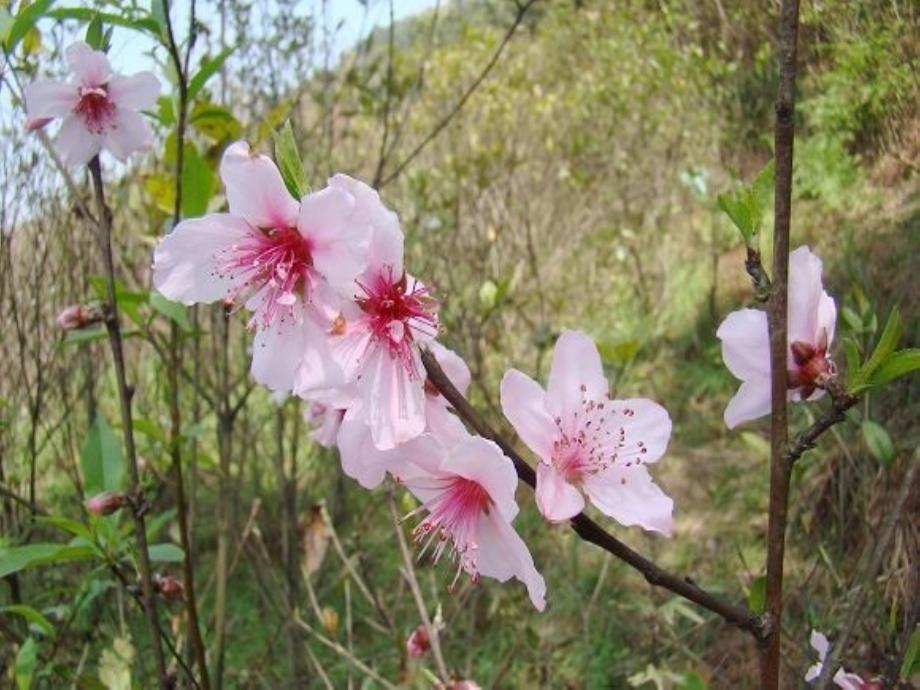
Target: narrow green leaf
<point x="25" y="20"/>
<point x="6" y="23"/>
<point x="887" y="343"/>
<point x="851" y="350"/>
<point x="911" y="656"/>
<point x="171" y="310"/>
<point x="693" y="681"/>
<point x="74" y="527"/>
<point x="85" y="335"/>
<point x="26" y="661"/>
<point x="143" y="22"/>
<point x="878" y="442"/>
<point x="896" y="365"/>
<point x="31" y="615"/>
<point x="738" y="209"/>
<point x="762" y="187"/>
<point x="94" y="33"/>
<point x="16" y="558"/>
<point x="209" y="68"/>
<point x="215" y="121"/>
<point x="101" y="459"/>
<point x="166" y="553"/>
<point x="289" y="163"/>
<point x="757" y="594"/>
<point x="197" y="183"/>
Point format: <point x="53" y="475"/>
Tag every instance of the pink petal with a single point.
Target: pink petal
<point x="76" y="144"/>
<point x="129" y="133"/>
<point x="46" y="98"/>
<point x="827" y="317"/>
<point x="631" y="497"/>
<point x="646" y="425"/>
<point x="524" y="404"/>
<point x="746" y="343"/>
<point x="484" y="463"/>
<point x="291" y="350"/>
<point x="453" y="365"/>
<point x="374" y="218"/>
<point x="805" y="292"/>
<point x="847" y="681"/>
<point x="813" y="672"/>
<point x="255" y="190"/>
<point x="361" y="460"/>
<point x="338" y="247"/>
<point x="819" y="643"/>
<point x="135" y="92"/>
<point x="393" y="401"/>
<point x="556" y="498"/>
<point x="386" y="249"/>
<point x="90" y="66"/>
<point x="752" y="401"/>
<point x="576" y="374"/>
<point x="187" y="262"/>
<point x="444" y="424"/>
<point x="502" y="554"/>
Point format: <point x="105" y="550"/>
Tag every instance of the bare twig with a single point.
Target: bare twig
<point x="585" y="527"/>
<point x="784" y="135"/>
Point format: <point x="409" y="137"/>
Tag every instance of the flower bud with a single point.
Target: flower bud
<point x="77" y="316"/>
<point x="106" y="503"/>
<point x="465" y="685"/>
<point x="418" y="642"/>
<point x="169" y="587"/>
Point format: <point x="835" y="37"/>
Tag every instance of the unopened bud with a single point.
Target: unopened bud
<point x="169" y="587"/>
<point x="77" y="316"/>
<point x="418" y="642"/>
<point x="106" y="503"/>
<point x="465" y="685"/>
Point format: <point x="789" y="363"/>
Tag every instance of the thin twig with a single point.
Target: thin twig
<point x="784" y="136"/>
<point x="584" y="526"/>
<point x="458" y="106"/>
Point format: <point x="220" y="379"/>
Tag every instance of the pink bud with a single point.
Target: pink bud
<point x="106" y="503"/>
<point x="465" y="685"/>
<point x="418" y="643"/>
<point x="169" y="587"/>
<point x="78" y="316"/>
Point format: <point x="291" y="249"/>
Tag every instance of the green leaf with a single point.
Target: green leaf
<point x="911" y="656"/>
<point x="215" y="121"/>
<point x="896" y="365"/>
<point x="94" y="33"/>
<point x="101" y="459"/>
<point x="693" y="681"/>
<point x="166" y="553"/>
<point x="851" y="350"/>
<point x="887" y="342"/>
<point x="31" y="615"/>
<point x="158" y="15"/>
<point x="197" y="183"/>
<point x="25" y="21"/>
<point x="171" y="310"/>
<point x="115" y="664"/>
<point x="166" y="110"/>
<point x="762" y="187"/>
<point x="74" y="527"/>
<point x="143" y="22"/>
<point x="292" y="171"/>
<point x="6" y="23"/>
<point x="157" y="522"/>
<point x="757" y="594"/>
<point x="26" y="661"/>
<point x="209" y="67"/>
<point x="85" y="335"/>
<point x="737" y="206"/>
<point x="878" y="442"/>
<point x="149" y="429"/>
<point x="16" y="558"/>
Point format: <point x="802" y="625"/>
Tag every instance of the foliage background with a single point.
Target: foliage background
<point x="576" y="188"/>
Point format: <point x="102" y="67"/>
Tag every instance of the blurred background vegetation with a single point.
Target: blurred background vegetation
<point x="575" y="187"/>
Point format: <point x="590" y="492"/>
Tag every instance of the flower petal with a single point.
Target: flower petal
<point x="48" y="98"/>
<point x="453" y="365"/>
<point x="76" y="144"/>
<point x="484" y="463"/>
<point x="576" y="374"/>
<point x="393" y="401"/>
<point x="90" y="66"/>
<point x="375" y="219"/>
<point x="746" y="343"/>
<point x="502" y="554"/>
<point x="129" y="133"/>
<point x="805" y="292"/>
<point x="338" y="246"/>
<point x="752" y="401"/>
<point x="135" y="92"/>
<point x="255" y="190"/>
<point x="361" y="460"/>
<point x="819" y="643"/>
<point x="187" y="262"/>
<point x="556" y="498"/>
<point x="847" y="681"/>
<point x="646" y="428"/>
<point x="524" y="404"/>
<point x="291" y="353"/>
<point x="631" y="497"/>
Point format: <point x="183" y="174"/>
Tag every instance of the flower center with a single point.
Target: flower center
<point x="812" y="366"/>
<point x="593" y="438"/>
<point x="394" y="309"/>
<point x="274" y="267"/>
<point x="97" y="111"/>
<point x="453" y="515"/>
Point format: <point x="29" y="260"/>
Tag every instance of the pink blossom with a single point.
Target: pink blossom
<point x="363" y="461"/>
<point x="169" y="587"/>
<point x="467" y="493"/>
<point x="288" y="261"/>
<point x="812" y="316"/>
<point x="106" y="503"/>
<point x="465" y="685"/>
<point x="99" y="108"/>
<point x="376" y="343"/>
<point x="325" y="421"/>
<point x="586" y="440"/>
<point x="842" y="679"/>
<point x="418" y="643"/>
<point x="77" y="316"/>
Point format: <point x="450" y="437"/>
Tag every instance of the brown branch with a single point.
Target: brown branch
<point x="841" y="401"/>
<point x="458" y="106"/>
<point x="784" y="135"/>
<point x="585" y="527"/>
<point x="125" y="393"/>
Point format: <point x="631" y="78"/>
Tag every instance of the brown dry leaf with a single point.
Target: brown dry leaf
<point x="315" y="541"/>
<point x="330" y="620"/>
